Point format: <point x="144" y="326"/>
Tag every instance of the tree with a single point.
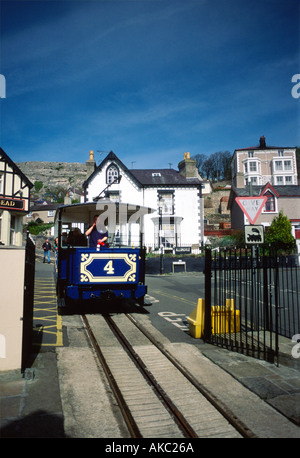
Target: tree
<point x="279" y="234"/>
<point x="38" y="185"/>
<point x="216" y="166"/>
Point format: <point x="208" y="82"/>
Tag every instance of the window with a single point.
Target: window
<point x="1" y="183"/>
<point x="253" y="166"/>
<point x="280" y="152"/>
<point x="270" y="204"/>
<point x="287" y="165"/>
<point x="112" y="173"/>
<point x="279" y="181"/>
<point x="288" y="180"/>
<point x="250" y="154"/>
<point x="166" y="203"/>
<point x="12" y="230"/>
<point x="114" y="196"/>
<point x="167" y="233"/>
<point x="278" y="165"/>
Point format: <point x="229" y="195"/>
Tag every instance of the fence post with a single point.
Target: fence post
<point x="276" y="351"/>
<point x="207" y="316"/>
<point x="266" y="265"/>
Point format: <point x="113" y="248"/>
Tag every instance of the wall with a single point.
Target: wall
<point x="12" y="267"/>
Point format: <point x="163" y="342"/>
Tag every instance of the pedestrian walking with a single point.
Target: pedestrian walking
<point x="47" y="248"/>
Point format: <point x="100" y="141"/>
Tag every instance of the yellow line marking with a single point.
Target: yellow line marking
<point x="173" y="297"/>
<point x="45" y="294"/>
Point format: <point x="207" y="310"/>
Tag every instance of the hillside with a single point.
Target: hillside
<point x="55" y="174"/>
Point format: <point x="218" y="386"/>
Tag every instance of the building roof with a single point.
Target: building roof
<point x="45" y="206"/>
<point x="263" y="146"/>
<point x="159" y="177"/>
<point x="146" y="177"/>
<point x="280" y="191"/>
<point x="259" y="148"/>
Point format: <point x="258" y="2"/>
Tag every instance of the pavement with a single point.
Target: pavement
<point x="32" y="404"/>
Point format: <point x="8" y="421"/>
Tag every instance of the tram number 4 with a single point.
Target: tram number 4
<point x="109" y="268"/>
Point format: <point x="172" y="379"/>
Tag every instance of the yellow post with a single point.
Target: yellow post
<point x="196" y="320"/>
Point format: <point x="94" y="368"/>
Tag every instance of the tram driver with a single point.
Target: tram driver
<point x="97" y="235"/>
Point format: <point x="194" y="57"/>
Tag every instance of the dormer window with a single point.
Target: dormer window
<point x="156" y="174"/>
<point x="270" y="204"/>
<point x="112" y="173"/>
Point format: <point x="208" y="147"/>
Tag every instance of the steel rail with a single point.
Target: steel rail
<point x="129" y="420"/>
<point x="222" y="409"/>
<point x="177" y="415"/>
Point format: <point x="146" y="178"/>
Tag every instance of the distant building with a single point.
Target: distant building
<point x="175" y="195"/>
<point x="266" y="171"/>
<point x="43" y="213"/>
<point x="262" y="164"/>
<point x="14" y="201"/>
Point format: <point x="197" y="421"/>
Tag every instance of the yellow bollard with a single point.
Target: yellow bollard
<point x="196" y="320"/>
<point x="229" y="304"/>
<point x="225" y="319"/>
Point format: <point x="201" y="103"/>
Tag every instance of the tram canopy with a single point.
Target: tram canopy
<point x="111" y="213"/>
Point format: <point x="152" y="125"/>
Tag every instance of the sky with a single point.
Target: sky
<point x="147" y="79"/>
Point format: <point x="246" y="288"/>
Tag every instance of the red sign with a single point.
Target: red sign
<point x="251" y="206"/>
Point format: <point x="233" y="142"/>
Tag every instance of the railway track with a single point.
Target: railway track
<point x="157" y="397"/>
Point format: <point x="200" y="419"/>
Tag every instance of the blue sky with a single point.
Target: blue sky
<point x="147" y="79"/>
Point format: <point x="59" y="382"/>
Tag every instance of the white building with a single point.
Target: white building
<point x="174" y="195"/>
<point x="14" y="201"/>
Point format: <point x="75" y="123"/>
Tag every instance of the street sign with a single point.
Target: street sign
<point x="251" y="206"/>
<point x="254" y="235"/>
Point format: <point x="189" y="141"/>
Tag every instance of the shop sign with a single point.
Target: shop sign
<point x="12" y="204"/>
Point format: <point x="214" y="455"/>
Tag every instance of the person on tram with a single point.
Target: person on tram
<point x="97" y="235"/>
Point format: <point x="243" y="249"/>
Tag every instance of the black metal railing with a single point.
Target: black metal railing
<point x="251" y="297"/>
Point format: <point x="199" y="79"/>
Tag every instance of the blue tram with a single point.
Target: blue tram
<point x="115" y="267"/>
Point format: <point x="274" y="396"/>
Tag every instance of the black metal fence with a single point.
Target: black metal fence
<point x="251" y="297"/>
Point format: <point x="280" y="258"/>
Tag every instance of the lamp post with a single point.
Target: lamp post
<point x="160" y="239"/>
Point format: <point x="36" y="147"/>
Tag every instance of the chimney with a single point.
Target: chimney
<point x="188" y="167"/>
<point x="90" y="165"/>
<point x="262" y="142"/>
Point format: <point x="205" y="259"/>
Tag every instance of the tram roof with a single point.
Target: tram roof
<point x="85" y="212"/>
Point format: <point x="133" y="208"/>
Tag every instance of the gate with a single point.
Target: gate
<point x="28" y="301"/>
<point x="251" y="297"/>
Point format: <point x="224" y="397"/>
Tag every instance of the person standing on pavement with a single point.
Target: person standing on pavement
<point x="47" y="248"/>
